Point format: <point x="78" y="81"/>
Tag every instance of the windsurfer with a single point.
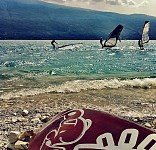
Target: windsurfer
<point x="53" y="43"/>
<point x="140" y="44"/>
<point x="101" y="40"/>
<point x="113" y="37"/>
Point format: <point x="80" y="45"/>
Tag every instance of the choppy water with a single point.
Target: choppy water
<point x="34" y="64"/>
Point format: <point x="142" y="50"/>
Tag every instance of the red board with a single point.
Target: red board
<point x="85" y="129"/>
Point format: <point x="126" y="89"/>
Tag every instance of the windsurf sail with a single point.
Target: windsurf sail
<point x="145" y="34"/>
<point x="113" y="37"/>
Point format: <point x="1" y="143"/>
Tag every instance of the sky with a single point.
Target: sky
<point x="119" y="6"/>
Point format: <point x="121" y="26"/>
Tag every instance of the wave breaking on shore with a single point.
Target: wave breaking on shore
<point x="79" y="85"/>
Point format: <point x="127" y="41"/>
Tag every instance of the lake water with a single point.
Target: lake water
<point x="34" y="67"/>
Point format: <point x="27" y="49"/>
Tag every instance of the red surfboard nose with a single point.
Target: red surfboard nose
<point x="85" y="129"/>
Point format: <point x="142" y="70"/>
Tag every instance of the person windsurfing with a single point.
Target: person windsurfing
<point x="113" y="37"/>
<point x="144" y="35"/>
<point x="101" y="40"/>
<point x="53" y="43"/>
<point x="140" y="45"/>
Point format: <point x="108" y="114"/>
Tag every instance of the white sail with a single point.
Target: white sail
<point x="111" y="42"/>
<point x="113" y="37"/>
<point x="145" y="32"/>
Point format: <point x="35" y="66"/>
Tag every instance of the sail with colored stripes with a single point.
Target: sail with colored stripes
<point x="113" y="37"/>
<point x="145" y="32"/>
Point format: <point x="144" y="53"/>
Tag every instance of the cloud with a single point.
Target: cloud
<point x="135" y="3"/>
<point x="55" y="1"/>
<point x="119" y="6"/>
<point x="126" y="2"/>
<point x="144" y="3"/>
<point x="110" y="2"/>
<point x="129" y="2"/>
<point x="113" y="2"/>
<point x="97" y="1"/>
<point x="120" y="2"/>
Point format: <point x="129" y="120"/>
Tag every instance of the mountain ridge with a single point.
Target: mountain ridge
<point x="39" y="20"/>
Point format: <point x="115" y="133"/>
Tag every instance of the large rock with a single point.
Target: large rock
<point x="21" y="145"/>
<point x="13" y="136"/>
<point x="11" y="146"/>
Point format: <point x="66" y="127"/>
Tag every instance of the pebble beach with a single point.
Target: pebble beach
<point x="31" y="112"/>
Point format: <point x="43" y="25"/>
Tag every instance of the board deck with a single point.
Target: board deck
<point x="85" y="129"/>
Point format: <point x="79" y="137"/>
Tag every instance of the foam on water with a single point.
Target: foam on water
<point x="79" y="85"/>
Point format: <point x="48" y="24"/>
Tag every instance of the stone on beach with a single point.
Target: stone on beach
<point x="19" y="141"/>
<point x="35" y="120"/>
<point x="13" y="136"/>
<point x="154" y="123"/>
<point x="45" y="119"/>
<point x="14" y="119"/>
<point x="148" y="125"/>
<point x="22" y="119"/>
<point x="25" y="112"/>
<point x="21" y="145"/>
<point x="11" y="146"/>
<point x="38" y="116"/>
<point x="24" y="135"/>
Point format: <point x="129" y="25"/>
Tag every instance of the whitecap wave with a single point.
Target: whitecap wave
<point x="79" y="85"/>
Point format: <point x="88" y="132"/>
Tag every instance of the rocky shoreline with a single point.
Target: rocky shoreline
<point x="32" y="112"/>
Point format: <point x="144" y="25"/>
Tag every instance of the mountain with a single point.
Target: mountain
<point x="34" y="19"/>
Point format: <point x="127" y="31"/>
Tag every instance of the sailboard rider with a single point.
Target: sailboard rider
<point x="140" y="44"/>
<point x="53" y="43"/>
<point x="144" y="35"/>
<point x="101" y="40"/>
<point x="113" y="37"/>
